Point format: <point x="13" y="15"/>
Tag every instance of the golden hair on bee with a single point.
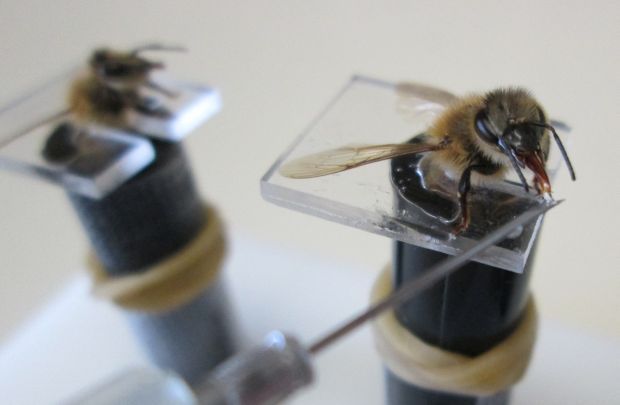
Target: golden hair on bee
<point x="486" y="134"/>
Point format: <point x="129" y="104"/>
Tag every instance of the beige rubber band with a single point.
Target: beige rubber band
<point x="421" y="364"/>
<point x="172" y="282"/>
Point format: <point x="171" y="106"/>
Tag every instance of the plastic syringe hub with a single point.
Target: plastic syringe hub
<point x="262" y="376"/>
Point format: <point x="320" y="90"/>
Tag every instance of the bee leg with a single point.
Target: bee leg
<point x="154" y="86"/>
<point x="463" y="192"/>
<point x="464" y="187"/>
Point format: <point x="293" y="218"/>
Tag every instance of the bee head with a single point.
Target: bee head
<point x="514" y="123"/>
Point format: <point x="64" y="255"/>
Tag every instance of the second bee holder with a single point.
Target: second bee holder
<point x="469" y="312"/>
<point x="158" y="249"/>
<point x="154" y="221"/>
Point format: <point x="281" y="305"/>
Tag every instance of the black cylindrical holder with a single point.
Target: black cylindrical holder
<point x="468" y="312"/>
<point x="147" y="219"/>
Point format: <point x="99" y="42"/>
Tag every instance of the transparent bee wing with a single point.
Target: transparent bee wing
<point x="157" y="47"/>
<point x="348" y="157"/>
<point x="417" y="100"/>
<point x="425" y="92"/>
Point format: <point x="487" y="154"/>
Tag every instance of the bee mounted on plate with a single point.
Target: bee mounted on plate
<point x="117" y="83"/>
<point x="114" y="87"/>
<point x="476" y="138"/>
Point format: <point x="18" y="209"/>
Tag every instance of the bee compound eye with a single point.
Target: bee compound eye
<point x="98" y="57"/>
<point x="482" y="128"/>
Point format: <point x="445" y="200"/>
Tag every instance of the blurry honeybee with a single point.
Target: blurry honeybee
<point x="113" y="87"/>
<point x="485" y="134"/>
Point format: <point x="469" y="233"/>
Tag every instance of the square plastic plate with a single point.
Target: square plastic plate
<point x="369" y="111"/>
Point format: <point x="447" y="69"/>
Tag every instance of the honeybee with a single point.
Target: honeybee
<point x="113" y="87"/>
<point x="481" y="135"/>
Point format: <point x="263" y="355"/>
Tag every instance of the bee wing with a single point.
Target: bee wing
<point x="157" y="47"/>
<point x="426" y="92"/>
<point x="416" y="100"/>
<point x="348" y="157"/>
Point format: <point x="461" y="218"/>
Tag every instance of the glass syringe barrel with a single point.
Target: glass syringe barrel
<point x="263" y="375"/>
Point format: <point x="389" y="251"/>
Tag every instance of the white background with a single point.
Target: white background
<point x="277" y="64"/>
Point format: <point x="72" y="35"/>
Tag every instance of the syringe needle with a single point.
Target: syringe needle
<point x="430" y="277"/>
<point x="269" y="373"/>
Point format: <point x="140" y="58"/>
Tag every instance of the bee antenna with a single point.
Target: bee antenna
<point x="157" y="47"/>
<point x="559" y="143"/>
<point x="515" y="164"/>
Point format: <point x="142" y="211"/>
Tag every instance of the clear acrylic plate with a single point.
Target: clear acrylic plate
<point x="370" y="112"/>
<point x="192" y="106"/>
<point x="105" y="157"/>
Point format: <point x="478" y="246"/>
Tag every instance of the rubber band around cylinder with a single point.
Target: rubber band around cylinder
<point x="427" y="366"/>
<point x="172" y="282"/>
